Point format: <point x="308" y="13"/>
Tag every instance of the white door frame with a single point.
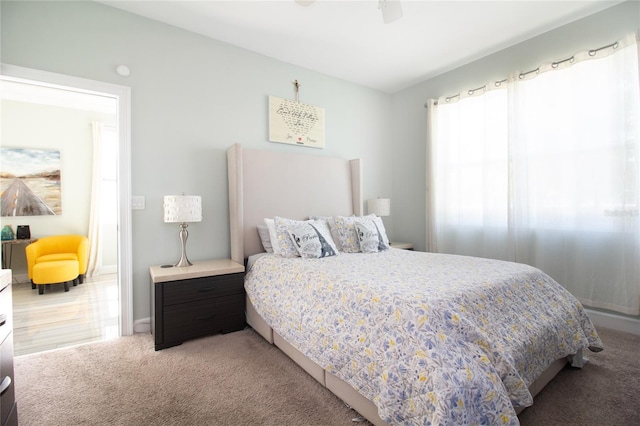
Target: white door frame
<point x="123" y="96"/>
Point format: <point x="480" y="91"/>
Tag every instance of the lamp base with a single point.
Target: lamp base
<point x="183" y="262"/>
<point x="184" y="234"/>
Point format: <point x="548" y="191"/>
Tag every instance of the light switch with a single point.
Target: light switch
<point x="137" y="202"/>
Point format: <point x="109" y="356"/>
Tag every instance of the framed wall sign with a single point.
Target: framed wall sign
<point x="295" y="123"/>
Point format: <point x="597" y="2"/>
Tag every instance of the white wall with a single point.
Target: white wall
<point x="28" y="125"/>
<point x="192" y="97"/>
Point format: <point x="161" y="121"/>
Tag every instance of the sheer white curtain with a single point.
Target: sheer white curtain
<point x="469" y="188"/>
<point x="544" y="169"/>
<point x="95" y="226"/>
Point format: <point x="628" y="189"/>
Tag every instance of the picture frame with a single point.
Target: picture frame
<point x="30" y="182"/>
<point x="295" y="123"/>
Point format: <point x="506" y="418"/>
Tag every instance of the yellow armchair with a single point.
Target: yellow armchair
<point x="69" y="252"/>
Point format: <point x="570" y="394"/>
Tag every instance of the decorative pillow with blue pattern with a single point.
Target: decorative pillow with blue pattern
<point x="371" y="238"/>
<point x="284" y="244"/>
<point x="313" y="240"/>
<point x="347" y="233"/>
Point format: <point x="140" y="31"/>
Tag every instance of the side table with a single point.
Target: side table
<point x="403" y="246"/>
<point x="7" y="249"/>
<point x="195" y="301"/>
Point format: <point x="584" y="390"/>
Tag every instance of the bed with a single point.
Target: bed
<point x="402" y="337"/>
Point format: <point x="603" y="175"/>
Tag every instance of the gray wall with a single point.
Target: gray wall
<point x="192" y="97"/>
<point x="409" y="114"/>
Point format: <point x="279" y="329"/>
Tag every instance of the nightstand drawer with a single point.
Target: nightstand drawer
<point x="221" y="315"/>
<point x="195" y="289"/>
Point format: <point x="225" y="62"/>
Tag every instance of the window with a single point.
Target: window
<point x="545" y="170"/>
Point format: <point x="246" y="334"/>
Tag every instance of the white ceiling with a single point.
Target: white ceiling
<point x="348" y="39"/>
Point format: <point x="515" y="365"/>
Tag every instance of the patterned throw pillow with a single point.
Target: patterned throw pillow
<point x="370" y="238"/>
<point x="285" y="245"/>
<point x="346" y="231"/>
<point x="381" y="229"/>
<point x="345" y="228"/>
<point x="330" y="221"/>
<point x="313" y="240"/>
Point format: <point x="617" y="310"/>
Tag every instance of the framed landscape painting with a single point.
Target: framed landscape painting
<point x="30" y="182"/>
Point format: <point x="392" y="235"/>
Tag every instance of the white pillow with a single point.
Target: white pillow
<point x="273" y="238"/>
<point x="265" y="238"/>
<point x="313" y="240"/>
<point x="370" y="238"/>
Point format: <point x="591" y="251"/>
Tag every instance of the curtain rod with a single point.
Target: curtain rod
<point x="522" y="75"/>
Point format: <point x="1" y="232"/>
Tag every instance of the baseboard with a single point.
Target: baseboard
<point x="142" y="325"/>
<point x="24" y="278"/>
<point x="104" y="270"/>
<point x="20" y="278"/>
<point x="615" y="322"/>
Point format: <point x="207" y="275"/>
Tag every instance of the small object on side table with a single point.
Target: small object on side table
<point x="23" y="232"/>
<point x="205" y="298"/>
<point x="7" y="233"/>
<point x="403" y="246"/>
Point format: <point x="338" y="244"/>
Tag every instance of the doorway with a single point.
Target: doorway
<point x="120" y="95"/>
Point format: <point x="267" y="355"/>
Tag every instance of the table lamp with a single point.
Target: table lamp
<point x="379" y="206"/>
<point x="183" y="209"/>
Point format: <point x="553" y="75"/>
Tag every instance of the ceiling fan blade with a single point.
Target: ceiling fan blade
<point x="391" y="10"/>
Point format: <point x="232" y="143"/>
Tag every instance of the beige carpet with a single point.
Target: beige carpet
<point x="605" y="392"/>
<point x="239" y="379"/>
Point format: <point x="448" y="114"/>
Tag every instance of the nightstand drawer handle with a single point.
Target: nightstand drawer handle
<point x="206" y="289"/>
<point x="207" y="318"/>
<point x="3" y="319"/>
<point x="6" y="383"/>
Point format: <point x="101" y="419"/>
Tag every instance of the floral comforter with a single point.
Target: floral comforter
<point x="429" y="338"/>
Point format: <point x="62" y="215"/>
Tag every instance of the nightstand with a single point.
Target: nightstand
<point x="403" y="246"/>
<point x="195" y="301"/>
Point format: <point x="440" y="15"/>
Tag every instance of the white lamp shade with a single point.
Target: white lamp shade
<point x="182" y="208"/>
<point x="379" y="206"/>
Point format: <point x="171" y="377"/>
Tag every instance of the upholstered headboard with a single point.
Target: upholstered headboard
<point x="271" y="183"/>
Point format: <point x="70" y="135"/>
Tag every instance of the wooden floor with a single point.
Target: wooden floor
<point x="86" y="313"/>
